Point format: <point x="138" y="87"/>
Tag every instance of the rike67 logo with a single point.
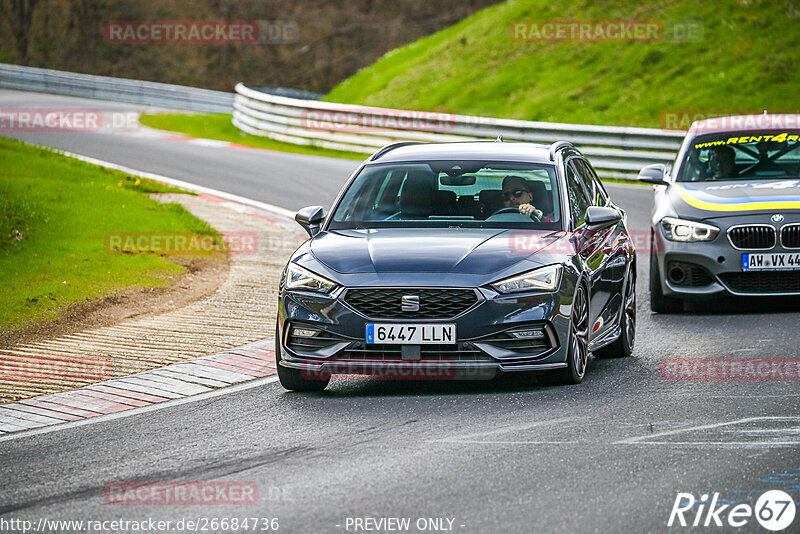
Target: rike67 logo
<point x="774" y="510"/>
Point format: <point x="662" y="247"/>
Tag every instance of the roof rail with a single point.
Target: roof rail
<point x="389" y="148"/>
<point x="558" y="145"/>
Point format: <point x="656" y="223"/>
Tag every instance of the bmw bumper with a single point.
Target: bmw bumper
<point x="702" y="270"/>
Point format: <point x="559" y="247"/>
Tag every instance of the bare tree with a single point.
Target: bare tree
<point x="20" y="15"/>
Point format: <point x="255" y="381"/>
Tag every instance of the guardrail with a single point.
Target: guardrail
<point x="117" y="89"/>
<point x="618" y="152"/>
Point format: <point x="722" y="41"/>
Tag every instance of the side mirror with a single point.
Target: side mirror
<point x="654" y="174"/>
<point x="310" y="218"/>
<point x="598" y="217"/>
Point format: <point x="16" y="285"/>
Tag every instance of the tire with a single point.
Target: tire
<point x="295" y="379"/>
<point x="623" y="346"/>
<point x="578" y="352"/>
<point x="660" y="303"/>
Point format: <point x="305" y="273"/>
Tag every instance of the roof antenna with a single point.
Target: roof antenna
<point x="499" y="138"/>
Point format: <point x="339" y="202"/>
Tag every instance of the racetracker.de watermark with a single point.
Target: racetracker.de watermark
<point x="730" y="369"/>
<point x="605" y="31"/>
<point x="585" y="242"/>
<point x="726" y="120"/>
<point x="408" y="370"/>
<point x="194" y="32"/>
<point x="65" y="120"/>
<point x="55" y="368"/>
<point x="180" y="243"/>
<point x="348" y="120"/>
<point x="181" y="493"/>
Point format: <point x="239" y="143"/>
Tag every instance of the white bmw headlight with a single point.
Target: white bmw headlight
<point x="687" y="231"/>
<point x="299" y="278"/>
<point x="542" y="279"/>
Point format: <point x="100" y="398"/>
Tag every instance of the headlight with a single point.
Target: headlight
<point x="687" y="231"/>
<point x="544" y="279"/>
<point x="299" y="278"/>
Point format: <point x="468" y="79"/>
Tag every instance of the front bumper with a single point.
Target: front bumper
<point x="484" y="345"/>
<point x="704" y="270"/>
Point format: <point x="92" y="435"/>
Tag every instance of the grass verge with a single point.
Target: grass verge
<point x="219" y="126"/>
<point x="55" y="215"/>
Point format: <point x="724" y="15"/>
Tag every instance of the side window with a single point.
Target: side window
<point x="578" y="199"/>
<point x="380" y="198"/>
<point x="386" y="199"/>
<point x="601" y="197"/>
<point x="594" y="188"/>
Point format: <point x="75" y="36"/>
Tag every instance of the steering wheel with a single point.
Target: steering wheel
<point x="510" y="209"/>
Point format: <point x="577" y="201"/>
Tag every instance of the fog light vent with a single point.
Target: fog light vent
<point x="528" y="334"/>
<point x="303" y="332"/>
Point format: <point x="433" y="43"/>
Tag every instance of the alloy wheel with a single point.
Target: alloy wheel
<point x="580" y="321"/>
<point x="630" y="313"/>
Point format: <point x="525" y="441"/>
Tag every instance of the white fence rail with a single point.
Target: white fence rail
<point x="117" y="89"/>
<point x="616" y="151"/>
<point x="619" y="152"/>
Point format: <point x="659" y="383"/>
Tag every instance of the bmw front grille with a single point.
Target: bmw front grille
<point x="752" y="236"/>
<point x="790" y="236"/>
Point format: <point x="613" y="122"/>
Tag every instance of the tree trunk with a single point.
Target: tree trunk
<point x="21" y="19"/>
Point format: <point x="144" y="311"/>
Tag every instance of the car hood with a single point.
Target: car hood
<point x="441" y="250"/>
<point x="703" y="200"/>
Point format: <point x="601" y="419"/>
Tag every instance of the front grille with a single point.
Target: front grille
<point x="790" y="236"/>
<point x="752" y="237"/>
<point x="763" y="282"/>
<point x="428" y="353"/>
<point x="433" y="303"/>
<point x="688" y="274"/>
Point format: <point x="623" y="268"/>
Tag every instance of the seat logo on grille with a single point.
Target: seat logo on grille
<point x="410" y="303"/>
<point x="777" y="217"/>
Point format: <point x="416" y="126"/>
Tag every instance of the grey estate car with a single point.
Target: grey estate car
<point x="459" y="259"/>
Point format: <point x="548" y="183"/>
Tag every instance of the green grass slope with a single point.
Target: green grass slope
<point x="746" y="60"/>
<point x="55" y="215"/>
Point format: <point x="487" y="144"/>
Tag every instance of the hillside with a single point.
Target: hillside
<point x="302" y="45"/>
<point x="745" y="60"/>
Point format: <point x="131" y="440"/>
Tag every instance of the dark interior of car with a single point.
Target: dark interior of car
<point x="420" y="198"/>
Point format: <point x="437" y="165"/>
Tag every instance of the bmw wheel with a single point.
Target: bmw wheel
<point x="660" y="303"/>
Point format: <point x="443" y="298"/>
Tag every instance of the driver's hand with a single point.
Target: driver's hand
<point x="529" y="210"/>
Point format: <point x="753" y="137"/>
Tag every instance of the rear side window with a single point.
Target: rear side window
<point x="591" y="183"/>
<point x="578" y="198"/>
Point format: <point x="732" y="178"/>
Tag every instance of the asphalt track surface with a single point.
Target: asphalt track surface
<point x="516" y="454"/>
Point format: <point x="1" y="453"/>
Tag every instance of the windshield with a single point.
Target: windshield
<point x="742" y="156"/>
<point x="441" y="194"/>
